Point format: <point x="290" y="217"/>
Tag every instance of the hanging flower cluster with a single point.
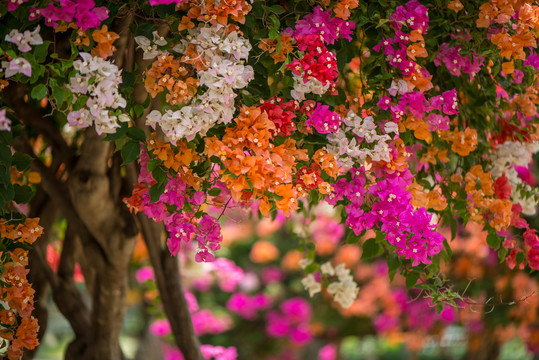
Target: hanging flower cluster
<point x="18" y="324"/>
<point x="98" y="81"/>
<point x="216" y="53"/>
<point x="82" y="12"/>
<point x="178" y="203"/>
<point x="316" y="70"/>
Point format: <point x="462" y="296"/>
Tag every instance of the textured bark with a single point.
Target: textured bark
<point x="114" y="230"/>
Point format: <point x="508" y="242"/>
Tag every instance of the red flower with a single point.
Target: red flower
<point x="502" y="189"/>
<point x="533" y="258"/>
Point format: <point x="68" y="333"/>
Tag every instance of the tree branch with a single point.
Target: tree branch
<point x="167" y="276"/>
<point x="14" y="96"/>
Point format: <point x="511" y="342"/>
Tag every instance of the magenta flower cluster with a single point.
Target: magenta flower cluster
<point x="320" y="23"/>
<point x="180" y="224"/>
<point x="386" y="205"/>
<point x="418" y="314"/>
<point x="415" y="17"/>
<point x="457" y="63"/>
<point x="324" y="120"/>
<point x="82" y="12"/>
<point x="248" y="306"/>
<point x="435" y="109"/>
<point x="291" y="321"/>
<point x="413" y="14"/>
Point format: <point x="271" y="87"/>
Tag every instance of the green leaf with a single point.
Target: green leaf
<point x="120" y="132"/>
<point x="351" y="238"/>
<point x="214" y="192"/>
<point x="130" y="151"/>
<point x="393" y="264"/>
<point x="275" y="21"/>
<point x="454" y="227"/>
<point x="7" y="192"/>
<point x="274" y="34"/>
<point x="519" y="257"/>
<point x="156" y="191"/>
<point x="277" y="9"/>
<point x="21" y="161"/>
<point x="371" y="249"/>
<point x="448" y="249"/>
<point x="58" y="93"/>
<point x="152" y="164"/>
<point x="312" y="268"/>
<point x="136" y="133"/>
<point x="139" y="110"/>
<point x="159" y="174"/>
<point x="39" y="92"/>
<point x="493" y="241"/>
<point x="23" y="194"/>
<point x="41" y="51"/>
<point x="411" y="280"/>
<point x="5" y="155"/>
<point x="5" y="177"/>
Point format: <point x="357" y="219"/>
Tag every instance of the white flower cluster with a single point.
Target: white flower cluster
<point x="24" y="40"/>
<point x="344" y="289"/>
<point x="349" y="152"/>
<point x="301" y="88"/>
<point x="149" y="47"/>
<point x="224" y="56"/>
<point x="99" y="80"/>
<point x="504" y="159"/>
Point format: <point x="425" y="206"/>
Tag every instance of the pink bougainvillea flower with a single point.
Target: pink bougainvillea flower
<point x="160" y="327"/>
<point x="24" y="40"/>
<point x="5" y="122"/>
<point x="144" y="274"/>
<point x="12" y="5"/>
<point x="17" y="66"/>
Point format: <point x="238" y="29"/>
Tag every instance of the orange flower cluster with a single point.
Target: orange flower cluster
<point x="278" y="48"/>
<point x="433" y="155"/>
<point x="455" y="5"/>
<point x="27" y="232"/>
<point x="463" y="142"/>
<point x="81" y="40"/>
<point x="414" y="50"/>
<point x="528" y="101"/>
<point x="496" y="212"/>
<point x="177" y="159"/>
<point x="419" y="126"/>
<point x="17" y="322"/>
<point x="479" y="181"/>
<point x="167" y="72"/>
<point x="104" y="39"/>
<point x="397" y="161"/>
<point x="427" y="199"/>
<point x="217" y="12"/>
<point x="524" y="32"/>
<point x="417" y="45"/>
<point x="310" y="178"/>
<point x="252" y="164"/>
<point x="343" y="7"/>
<point x="3" y="84"/>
